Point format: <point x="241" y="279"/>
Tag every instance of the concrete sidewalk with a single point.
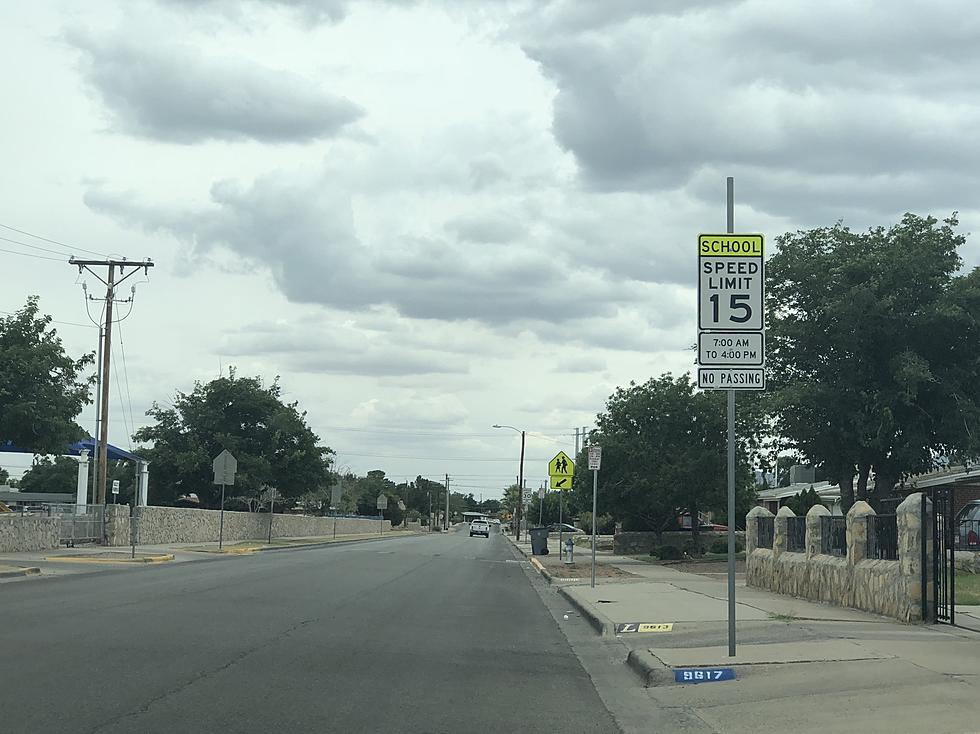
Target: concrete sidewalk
<point x="799" y="665"/>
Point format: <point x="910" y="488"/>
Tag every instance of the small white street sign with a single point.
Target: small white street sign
<point x="115" y="486"/>
<point x="541" y="492"/>
<point x="526" y="494"/>
<point x="225" y="465"/>
<point x="731" y="378"/>
<point x="382" y="502"/>
<point x="595" y="457"/>
<point x="731" y="348"/>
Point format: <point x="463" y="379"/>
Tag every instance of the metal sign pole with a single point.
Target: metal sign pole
<point x="221" y="520"/>
<point x="731" y="465"/>
<point x="272" y="509"/>
<point x="595" y="491"/>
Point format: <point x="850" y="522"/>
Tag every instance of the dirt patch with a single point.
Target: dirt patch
<point x="584" y="571"/>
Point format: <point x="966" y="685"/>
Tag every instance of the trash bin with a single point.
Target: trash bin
<point x="539" y="541"/>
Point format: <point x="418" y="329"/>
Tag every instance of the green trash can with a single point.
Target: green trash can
<point x="539" y="541"/>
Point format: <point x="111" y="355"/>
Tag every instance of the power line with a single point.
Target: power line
<point x="30" y="254"/>
<point x="53" y="242"/>
<point x="115" y="370"/>
<point x="129" y="395"/>
<point x="36" y="247"/>
<point x="53" y="321"/>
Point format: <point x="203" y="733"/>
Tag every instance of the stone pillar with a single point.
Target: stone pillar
<point x="780" y="536"/>
<point x="81" y="488"/>
<point x="857" y="531"/>
<point x="814" y="536"/>
<point x="911" y="534"/>
<point x="751" y="528"/>
<point x="143" y="484"/>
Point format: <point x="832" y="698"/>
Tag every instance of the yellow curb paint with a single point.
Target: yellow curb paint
<point x="84" y="559"/>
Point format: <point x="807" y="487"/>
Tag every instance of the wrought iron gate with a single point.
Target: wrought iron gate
<point x="79" y="523"/>
<point x="943" y="565"/>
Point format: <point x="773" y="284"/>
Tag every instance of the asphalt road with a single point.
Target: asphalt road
<point x="421" y="634"/>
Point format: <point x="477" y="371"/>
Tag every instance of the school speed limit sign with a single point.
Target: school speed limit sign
<point x="731" y="316"/>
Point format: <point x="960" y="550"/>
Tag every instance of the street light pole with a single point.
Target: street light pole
<point x="520" y="481"/>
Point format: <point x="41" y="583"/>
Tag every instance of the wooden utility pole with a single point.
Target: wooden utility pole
<point x="110" y="298"/>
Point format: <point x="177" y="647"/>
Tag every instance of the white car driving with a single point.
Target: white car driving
<point x="480" y="527"/>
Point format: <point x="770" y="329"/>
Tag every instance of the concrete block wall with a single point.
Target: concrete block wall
<point x="28" y="533"/>
<point x="165" y="525"/>
<point x="889" y="587"/>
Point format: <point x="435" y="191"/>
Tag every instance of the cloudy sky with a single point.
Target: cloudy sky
<point x="432" y="216"/>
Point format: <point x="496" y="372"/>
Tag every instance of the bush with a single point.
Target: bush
<point x="668" y="553"/>
<point x="605" y="524"/>
<point x="720" y="545"/>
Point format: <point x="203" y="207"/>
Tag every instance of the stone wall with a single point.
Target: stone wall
<point x="28" y="532"/>
<point x="164" y="525"/>
<point x="889" y="587"/>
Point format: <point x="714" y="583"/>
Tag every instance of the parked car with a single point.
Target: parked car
<point x="563" y="527"/>
<point x="968" y="527"/>
<point x="480" y="527"/>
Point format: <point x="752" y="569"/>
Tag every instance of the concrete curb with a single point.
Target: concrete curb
<point x="649" y="668"/>
<point x="602" y="625"/>
<point x="20" y="572"/>
<point x="163" y="558"/>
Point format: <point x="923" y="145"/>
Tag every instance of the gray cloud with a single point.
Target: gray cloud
<point x="580" y="365"/>
<point x="304" y="232"/>
<point x="176" y="94"/>
<point x="488" y="227"/>
<point x="815" y="101"/>
<point x="310" y="11"/>
<point x="305" y="346"/>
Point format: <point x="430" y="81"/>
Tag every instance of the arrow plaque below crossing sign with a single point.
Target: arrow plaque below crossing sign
<point x="559" y="482"/>
<point x="225" y="465"/>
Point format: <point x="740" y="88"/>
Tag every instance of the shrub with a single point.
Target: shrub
<point x="668" y="553"/>
<point x="720" y="545"/>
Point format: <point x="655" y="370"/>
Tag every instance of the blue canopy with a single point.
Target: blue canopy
<point x="114" y="452"/>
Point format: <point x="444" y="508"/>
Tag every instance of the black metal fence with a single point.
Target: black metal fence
<point x="833" y="535"/>
<point x="883" y="537"/>
<point x="796" y="534"/>
<point x="766" y="530"/>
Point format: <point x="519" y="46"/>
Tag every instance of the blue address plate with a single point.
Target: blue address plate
<point x="703" y="675"/>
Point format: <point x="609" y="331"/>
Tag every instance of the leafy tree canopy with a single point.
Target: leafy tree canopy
<point x="42" y="389"/>
<point x="872" y="350"/>
<point x="269" y="438"/>
<point x="664" y="450"/>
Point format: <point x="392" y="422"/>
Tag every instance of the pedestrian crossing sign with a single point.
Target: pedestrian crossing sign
<point x="561" y="466"/>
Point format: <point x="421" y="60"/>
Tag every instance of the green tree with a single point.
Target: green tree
<point x="664" y="450"/>
<point x="4" y="475"/>
<point x="872" y="350"/>
<point x="57" y="476"/>
<point x="42" y="389"/>
<point x="269" y="438"/>
<point x="801" y="502"/>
